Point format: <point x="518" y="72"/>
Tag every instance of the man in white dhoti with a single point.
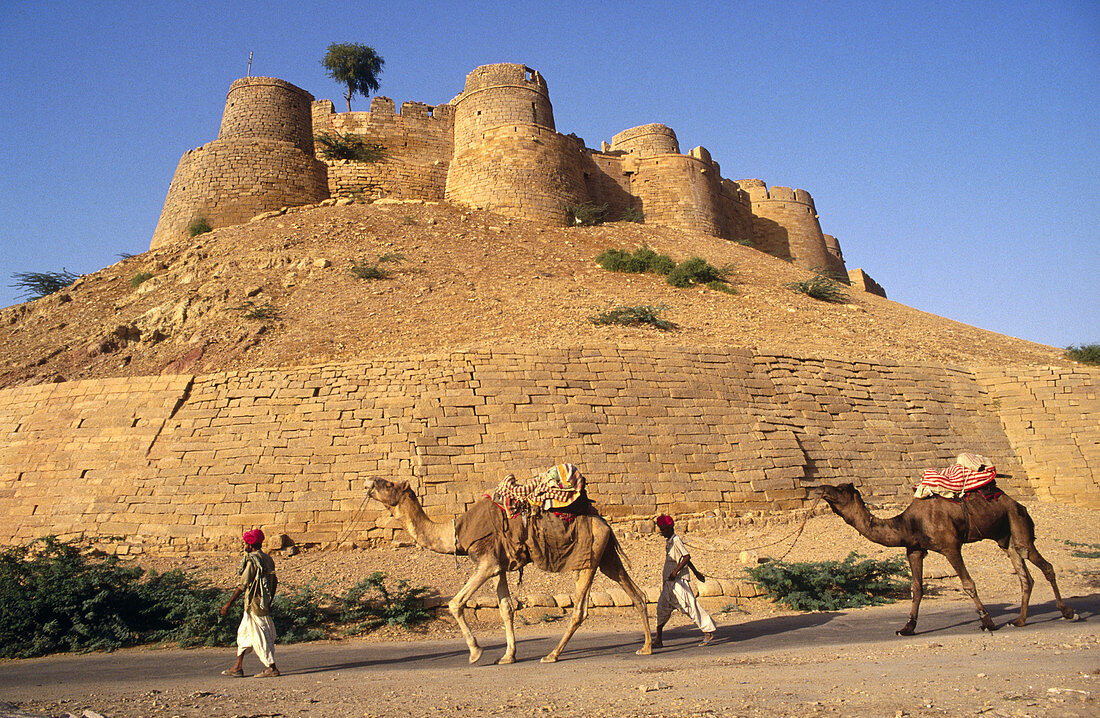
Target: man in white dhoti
<point x="258" y="583"/>
<point x="676" y="592"/>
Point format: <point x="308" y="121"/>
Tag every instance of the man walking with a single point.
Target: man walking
<point x="676" y="592"/>
<point x="257" y="583"/>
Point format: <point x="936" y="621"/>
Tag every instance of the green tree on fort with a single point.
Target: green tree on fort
<point x="357" y="66"/>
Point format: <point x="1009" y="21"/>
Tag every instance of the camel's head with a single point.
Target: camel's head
<point x="838" y="497"/>
<point x="387" y="492"/>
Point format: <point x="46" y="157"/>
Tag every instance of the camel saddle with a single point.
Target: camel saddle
<point x="556" y="489"/>
<point x="969" y="473"/>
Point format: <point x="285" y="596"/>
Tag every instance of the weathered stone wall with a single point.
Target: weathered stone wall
<point x="171" y="463"/>
<point x="680" y="191"/>
<point x="646" y="141"/>
<point x="1051" y="417"/>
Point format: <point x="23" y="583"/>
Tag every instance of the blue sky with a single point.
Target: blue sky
<point x="953" y="148"/>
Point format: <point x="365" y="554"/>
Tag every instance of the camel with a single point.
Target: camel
<point x="941" y="525"/>
<point x="499" y="544"/>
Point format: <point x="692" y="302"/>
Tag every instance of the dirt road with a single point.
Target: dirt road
<point x="828" y="664"/>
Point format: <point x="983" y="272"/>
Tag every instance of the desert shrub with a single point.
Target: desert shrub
<point x="696" y="271"/>
<point x="586" y="214"/>
<point x="1084" y="550"/>
<point x="336" y="146"/>
<point x="365" y="270"/>
<point x="820" y="286"/>
<point x="632" y="214"/>
<point x="54" y="598"/>
<point x="642" y="260"/>
<point x="721" y="286"/>
<point x="1086" y="353"/>
<point x="138" y="279"/>
<point x="40" y="284"/>
<point x="251" y="310"/>
<point x="300" y="616"/>
<point x="831" y="585"/>
<point x="370" y="603"/>
<point x="634" y="316"/>
<point x="198" y="226"/>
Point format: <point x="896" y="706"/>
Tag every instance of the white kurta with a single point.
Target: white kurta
<point x="257" y="633"/>
<point x="677" y="594"/>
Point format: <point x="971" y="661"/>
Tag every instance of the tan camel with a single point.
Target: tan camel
<point x="499" y="545"/>
<point x="938" y="524"/>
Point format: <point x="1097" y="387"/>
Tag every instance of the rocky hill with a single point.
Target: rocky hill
<point x="279" y="291"/>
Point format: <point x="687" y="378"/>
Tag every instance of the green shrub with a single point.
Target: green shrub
<point x="696" y="271"/>
<point x="632" y="214"/>
<point x="364" y="270"/>
<point x="198" y="226"/>
<point x="1086" y="353"/>
<point x="634" y="316"/>
<point x="642" y="260"/>
<point x="138" y="279"/>
<point x="370" y="604"/>
<point x="831" y="585"/>
<point x="348" y="147"/>
<point x="721" y="286"/>
<point x="36" y="285"/>
<point x="820" y="286"/>
<point x="1093" y="549"/>
<point x="299" y="616"/>
<point x="586" y="214"/>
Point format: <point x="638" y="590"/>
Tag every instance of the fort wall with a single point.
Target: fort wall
<point x="494" y="146"/>
<point x="187" y="462"/>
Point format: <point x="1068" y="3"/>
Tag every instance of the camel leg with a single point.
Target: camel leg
<point x="612" y="567"/>
<point x="580" y="610"/>
<point x="1026" y="583"/>
<point x="916" y="571"/>
<point x="1043" y="565"/>
<point x="507" y="617"/>
<point x="457" y="605"/>
<point x="954" y="557"/>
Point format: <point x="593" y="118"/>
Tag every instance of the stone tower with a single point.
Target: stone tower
<point x="507" y="156"/>
<point x="262" y="160"/>
<point x="785" y="225"/>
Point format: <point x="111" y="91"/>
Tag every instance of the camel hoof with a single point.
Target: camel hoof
<point x="1018" y="623"/>
<point x="505" y="660"/>
<point x="549" y="659"/>
<point x="905" y="632"/>
<point x="475" y="655"/>
<point x="644" y="651"/>
<point x="1070" y="615"/>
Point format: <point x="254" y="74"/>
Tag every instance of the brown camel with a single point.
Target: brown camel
<point x="499" y="544"/>
<point x="941" y="525"/>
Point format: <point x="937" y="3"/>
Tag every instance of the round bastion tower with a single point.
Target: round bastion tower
<point x="785" y="225"/>
<point x="262" y="160"/>
<point x="507" y="156"/>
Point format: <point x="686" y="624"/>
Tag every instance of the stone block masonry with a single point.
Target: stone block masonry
<point x="181" y="463"/>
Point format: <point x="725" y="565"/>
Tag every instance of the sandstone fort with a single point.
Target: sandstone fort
<point x="179" y="459"/>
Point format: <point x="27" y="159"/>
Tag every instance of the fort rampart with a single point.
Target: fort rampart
<point x="185" y="462"/>
<point x="494" y="146"/>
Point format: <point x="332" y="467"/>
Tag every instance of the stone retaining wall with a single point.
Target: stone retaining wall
<point x="180" y="463"/>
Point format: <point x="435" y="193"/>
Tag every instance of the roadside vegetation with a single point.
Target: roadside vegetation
<point x="57" y="597"/>
<point x="832" y="585"/>
<point x="1086" y="353"/>
<point x="641" y="315"/>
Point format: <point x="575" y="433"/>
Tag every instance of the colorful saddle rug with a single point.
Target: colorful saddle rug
<point x="553" y="490"/>
<point x="970" y="472"/>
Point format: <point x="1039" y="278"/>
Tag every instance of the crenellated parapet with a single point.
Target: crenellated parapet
<point x="494" y="146"/>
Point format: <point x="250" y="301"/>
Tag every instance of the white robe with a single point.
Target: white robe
<point x="257" y="633"/>
<point x="677" y="594"/>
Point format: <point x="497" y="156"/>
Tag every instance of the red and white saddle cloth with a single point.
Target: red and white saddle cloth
<point x="552" y="490"/>
<point x="970" y="471"/>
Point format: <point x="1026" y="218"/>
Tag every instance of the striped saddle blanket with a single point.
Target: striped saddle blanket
<point x="552" y="490"/>
<point x="970" y="472"/>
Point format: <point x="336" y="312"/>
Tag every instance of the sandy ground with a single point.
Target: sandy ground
<point x="768" y="661"/>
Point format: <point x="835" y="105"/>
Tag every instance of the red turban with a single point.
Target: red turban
<point x="253" y="537"/>
<point x="664" y="520"/>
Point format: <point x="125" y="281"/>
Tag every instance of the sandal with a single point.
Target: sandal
<point x="233" y="673"/>
<point x="269" y="673"/>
